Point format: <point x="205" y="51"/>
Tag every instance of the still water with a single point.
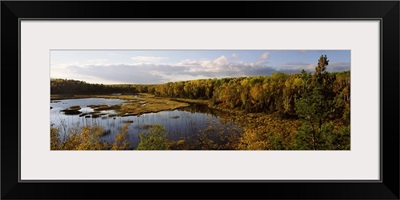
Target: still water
<point x="183" y="123"/>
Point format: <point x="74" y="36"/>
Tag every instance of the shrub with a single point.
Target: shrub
<point x="154" y="139"/>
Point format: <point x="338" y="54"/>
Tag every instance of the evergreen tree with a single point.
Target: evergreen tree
<point x="315" y="106"/>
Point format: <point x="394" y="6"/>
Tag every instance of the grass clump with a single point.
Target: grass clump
<point x="88" y="138"/>
<point x="73" y="110"/>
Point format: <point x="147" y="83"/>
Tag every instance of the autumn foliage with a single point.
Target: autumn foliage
<point x="304" y="111"/>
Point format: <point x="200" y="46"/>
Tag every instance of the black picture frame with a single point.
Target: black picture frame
<point x="386" y="11"/>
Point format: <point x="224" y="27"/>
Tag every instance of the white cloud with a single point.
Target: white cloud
<point x="147" y="58"/>
<point x="264" y="56"/>
<point x="80" y="63"/>
<point x="298" y="66"/>
<point x="189" y="62"/>
<point x="97" y="61"/>
<point x="206" y="65"/>
<point x="219" y="63"/>
<point x="234" y="56"/>
<point x="122" y="73"/>
<point x="153" y="73"/>
<point x="262" y="60"/>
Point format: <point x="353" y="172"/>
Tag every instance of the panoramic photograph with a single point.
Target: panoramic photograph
<point x="200" y="100"/>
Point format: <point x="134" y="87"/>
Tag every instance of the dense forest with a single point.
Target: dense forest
<point x="68" y="86"/>
<point x="269" y="94"/>
<point x="308" y="110"/>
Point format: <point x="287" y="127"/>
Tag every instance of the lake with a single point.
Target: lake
<point x="183" y="123"/>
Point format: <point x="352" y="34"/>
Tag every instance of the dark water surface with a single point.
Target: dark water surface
<point x="183" y="123"/>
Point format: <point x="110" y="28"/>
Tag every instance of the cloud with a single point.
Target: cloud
<point x="222" y="67"/>
<point x="154" y="73"/>
<point x="97" y="60"/>
<point x="147" y="58"/>
<point x="119" y="73"/>
<point x="234" y="56"/>
<point x="296" y="64"/>
<point x="332" y="67"/>
<point x="262" y="60"/>
<point x="338" y="66"/>
<point x="217" y="65"/>
<point x="264" y="56"/>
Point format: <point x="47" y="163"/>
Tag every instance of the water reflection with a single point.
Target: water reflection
<point x="184" y="123"/>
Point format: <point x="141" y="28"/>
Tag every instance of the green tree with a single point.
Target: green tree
<point x="315" y="105"/>
<point x="302" y="138"/>
<point x="323" y="139"/>
<point x="341" y="141"/>
<point x="154" y="139"/>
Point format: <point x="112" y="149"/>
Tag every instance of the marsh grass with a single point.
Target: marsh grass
<point x="106" y="132"/>
<point x="95" y="115"/>
<point x="87" y="138"/>
<point x="144" y="126"/>
<point x="97" y="108"/>
<point x="147" y="103"/>
<point x="260" y="131"/>
<point x="139" y="104"/>
<point x="73" y="110"/>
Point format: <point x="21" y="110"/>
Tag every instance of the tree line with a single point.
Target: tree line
<point x="319" y="101"/>
<point x="277" y="93"/>
<point x="69" y="86"/>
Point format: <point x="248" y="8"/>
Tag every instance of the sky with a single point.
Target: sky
<point x="162" y="66"/>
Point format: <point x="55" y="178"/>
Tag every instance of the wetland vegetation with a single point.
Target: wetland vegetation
<point x="300" y="111"/>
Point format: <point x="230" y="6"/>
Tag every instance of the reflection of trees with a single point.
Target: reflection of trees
<point x="214" y="136"/>
<point x="201" y="108"/>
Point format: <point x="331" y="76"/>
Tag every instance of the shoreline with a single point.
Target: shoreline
<point x="136" y="104"/>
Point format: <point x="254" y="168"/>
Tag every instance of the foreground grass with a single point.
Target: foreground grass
<point x="87" y="138"/>
<point x="154" y="138"/>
